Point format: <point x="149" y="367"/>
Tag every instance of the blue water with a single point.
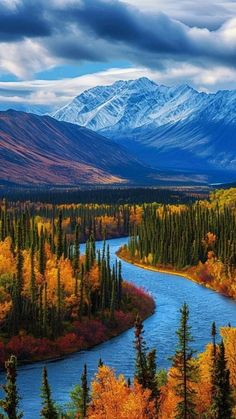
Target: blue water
<point x="169" y="292"/>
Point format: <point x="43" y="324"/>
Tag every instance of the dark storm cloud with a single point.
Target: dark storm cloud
<point x="117" y="23"/>
<point x="96" y="30"/>
<point x="26" y="19"/>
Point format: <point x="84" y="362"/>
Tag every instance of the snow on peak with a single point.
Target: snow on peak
<point x="128" y="105"/>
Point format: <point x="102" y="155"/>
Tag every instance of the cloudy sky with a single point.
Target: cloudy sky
<point x="51" y="50"/>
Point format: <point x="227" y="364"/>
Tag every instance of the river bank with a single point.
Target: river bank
<point x="84" y="334"/>
<point x="169" y="293"/>
<point x="187" y="273"/>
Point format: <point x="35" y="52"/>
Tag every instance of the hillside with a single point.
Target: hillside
<point x="167" y="127"/>
<point x="40" y="150"/>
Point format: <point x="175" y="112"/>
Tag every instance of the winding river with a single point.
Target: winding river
<point x="169" y="292"/>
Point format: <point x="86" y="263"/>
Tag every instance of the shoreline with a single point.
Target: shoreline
<point x="112" y="333"/>
<point x="184" y="274"/>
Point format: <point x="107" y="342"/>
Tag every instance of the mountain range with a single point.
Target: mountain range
<point x="41" y="150"/>
<point x="167" y="128"/>
<point x="133" y="133"/>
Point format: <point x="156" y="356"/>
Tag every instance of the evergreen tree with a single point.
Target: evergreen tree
<point x="213" y="335"/>
<point x="84" y="394"/>
<point x="32" y="275"/>
<point x="185" y="372"/>
<point x="221" y="402"/>
<point x="48" y="410"/>
<point x="11" y="402"/>
<point x="151" y="376"/>
<point x="59" y="303"/>
<point x="140" y="349"/>
<point x="59" y="236"/>
<point x="42" y="255"/>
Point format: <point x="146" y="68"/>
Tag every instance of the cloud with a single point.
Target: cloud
<point x="158" y="36"/>
<point x="23" y="19"/>
<point x="48" y="95"/>
<point x="24" y="58"/>
<point x="209" y="14"/>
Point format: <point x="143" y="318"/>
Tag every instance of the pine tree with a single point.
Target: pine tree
<point x="42" y="256"/>
<point x="11" y="402"/>
<point x="76" y="251"/>
<point x="32" y="276"/>
<point x="140" y="349"/>
<point x="85" y="393"/>
<point x="221" y="407"/>
<point x="48" y="410"/>
<point x="59" y="303"/>
<point x="151" y="376"/>
<point x="185" y="372"/>
<point x="59" y="236"/>
<point x="213" y="335"/>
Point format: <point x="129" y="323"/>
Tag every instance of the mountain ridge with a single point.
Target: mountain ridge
<point x="162" y="122"/>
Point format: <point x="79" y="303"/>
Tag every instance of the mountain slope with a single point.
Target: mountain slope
<point x="168" y="127"/>
<point x="40" y="150"/>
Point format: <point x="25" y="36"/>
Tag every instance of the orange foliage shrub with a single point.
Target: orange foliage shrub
<point x="112" y="398"/>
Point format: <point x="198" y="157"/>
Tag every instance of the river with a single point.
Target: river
<point x="169" y="292"/>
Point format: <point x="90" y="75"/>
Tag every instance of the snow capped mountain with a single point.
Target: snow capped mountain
<point x="129" y="104"/>
<point x="167" y="127"/>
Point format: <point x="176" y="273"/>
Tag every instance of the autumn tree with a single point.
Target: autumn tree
<point x="112" y="398"/>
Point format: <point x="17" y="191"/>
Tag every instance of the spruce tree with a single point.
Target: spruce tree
<point x="84" y="393"/>
<point x="221" y="407"/>
<point x="11" y="402"/>
<point x="59" y="236"/>
<point x="185" y="372"/>
<point x="48" y="410"/>
<point x="213" y="335"/>
<point x="32" y="276"/>
<point x="140" y="349"/>
<point x="151" y="377"/>
<point x="42" y="255"/>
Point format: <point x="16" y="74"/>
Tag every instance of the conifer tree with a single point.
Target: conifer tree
<point x="185" y="372"/>
<point x="76" y="251"/>
<point x="11" y="402"/>
<point x="59" y="303"/>
<point x="42" y="256"/>
<point x="221" y="407"/>
<point x="59" y="236"/>
<point x="32" y="275"/>
<point x="213" y="335"/>
<point x="48" y="410"/>
<point x="140" y="349"/>
<point x="151" y="376"/>
<point x="84" y="393"/>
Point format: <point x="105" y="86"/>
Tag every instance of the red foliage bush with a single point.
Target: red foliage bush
<point x="92" y="331"/>
<point x="70" y="341"/>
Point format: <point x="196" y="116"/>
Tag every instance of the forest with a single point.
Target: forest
<point x="56" y="299"/>
<point x="202" y="386"/>
<point x="196" y="240"/>
<point x="53" y="299"/>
